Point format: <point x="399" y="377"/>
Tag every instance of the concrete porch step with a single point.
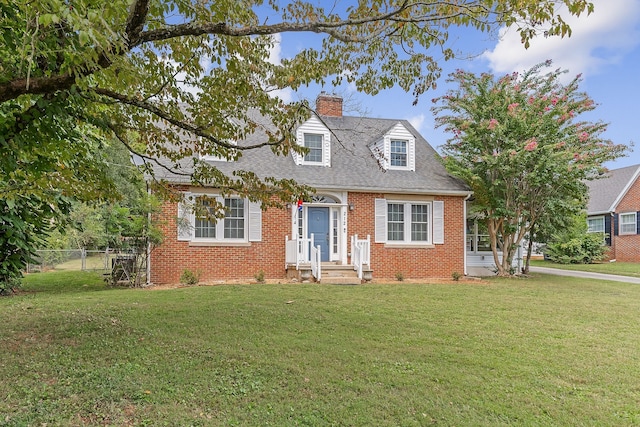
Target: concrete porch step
<point x="338" y="280"/>
<point x="339" y="275"/>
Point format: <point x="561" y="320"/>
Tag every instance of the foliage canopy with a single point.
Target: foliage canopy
<point x="519" y="144"/>
<point x="177" y="78"/>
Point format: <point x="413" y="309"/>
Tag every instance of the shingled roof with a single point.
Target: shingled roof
<point x="605" y="193"/>
<point x="353" y="166"/>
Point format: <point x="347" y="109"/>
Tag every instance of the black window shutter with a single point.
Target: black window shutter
<point x="615" y="225"/>
<point x="638" y="222"/>
<point x="607" y="230"/>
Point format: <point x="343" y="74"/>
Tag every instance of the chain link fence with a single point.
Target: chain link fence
<point x="120" y="267"/>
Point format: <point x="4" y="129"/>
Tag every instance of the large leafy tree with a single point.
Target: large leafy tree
<point x="170" y="77"/>
<point x="518" y="141"/>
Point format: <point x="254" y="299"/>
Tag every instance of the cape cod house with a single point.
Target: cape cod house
<point x="614" y="209"/>
<point x="384" y="206"/>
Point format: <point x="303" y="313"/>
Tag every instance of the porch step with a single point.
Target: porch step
<point x="339" y="275"/>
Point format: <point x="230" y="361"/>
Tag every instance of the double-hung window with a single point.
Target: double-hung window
<point x="628" y="223"/>
<point x="205" y="225"/>
<point x="313" y="142"/>
<point x="408" y="222"/>
<point x="595" y="224"/>
<point x="230" y="228"/>
<point x="398" y="153"/>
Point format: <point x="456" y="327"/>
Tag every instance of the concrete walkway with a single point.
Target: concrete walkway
<point x="585" y="274"/>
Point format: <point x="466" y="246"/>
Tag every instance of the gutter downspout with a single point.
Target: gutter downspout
<point x="148" y="242"/>
<point x="464" y="227"/>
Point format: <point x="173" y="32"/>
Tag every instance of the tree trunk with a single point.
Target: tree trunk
<point x="527" y="261"/>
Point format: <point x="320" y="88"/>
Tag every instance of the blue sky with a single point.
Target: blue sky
<point x="604" y="48"/>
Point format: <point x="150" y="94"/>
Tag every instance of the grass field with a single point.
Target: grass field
<point x="541" y="351"/>
<point x="622" y="268"/>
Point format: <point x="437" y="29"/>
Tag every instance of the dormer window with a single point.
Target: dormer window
<point x="313" y="142"/>
<point x="398" y="153"/>
<point x="316" y="138"/>
<point x="224" y="154"/>
<point x="396" y="149"/>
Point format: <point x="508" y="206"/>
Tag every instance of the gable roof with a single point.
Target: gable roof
<point x="605" y="193"/>
<point x="353" y="165"/>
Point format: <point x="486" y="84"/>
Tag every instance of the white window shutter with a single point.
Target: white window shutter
<point x="381" y="220"/>
<point x="411" y="154"/>
<point x="297" y="158"/>
<point x="326" y="149"/>
<point x="438" y="222"/>
<point x="255" y="222"/>
<point x="186" y="218"/>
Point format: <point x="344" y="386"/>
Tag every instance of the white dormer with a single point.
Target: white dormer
<point x="315" y="136"/>
<point x="396" y="150"/>
<point x="229" y="157"/>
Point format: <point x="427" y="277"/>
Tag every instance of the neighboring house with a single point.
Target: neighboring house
<point x="614" y="209"/>
<point x="385" y="205"/>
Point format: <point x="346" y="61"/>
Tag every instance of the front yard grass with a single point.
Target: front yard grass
<point x="621" y="268"/>
<point x="540" y="351"/>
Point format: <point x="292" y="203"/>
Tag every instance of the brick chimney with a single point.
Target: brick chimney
<point x="329" y="105"/>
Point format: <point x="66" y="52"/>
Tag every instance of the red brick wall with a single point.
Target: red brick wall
<point x="412" y="263"/>
<point x="626" y="247"/>
<point x="171" y="258"/>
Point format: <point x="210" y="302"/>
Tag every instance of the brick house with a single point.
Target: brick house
<point x="614" y="209"/>
<point x="384" y="206"/>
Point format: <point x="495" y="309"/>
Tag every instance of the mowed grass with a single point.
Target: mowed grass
<point x="540" y="351"/>
<point x="621" y="268"/>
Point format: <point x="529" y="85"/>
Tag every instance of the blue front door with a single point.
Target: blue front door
<point x="318" y="225"/>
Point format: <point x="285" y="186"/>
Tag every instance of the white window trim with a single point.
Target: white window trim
<point x="322" y="154"/>
<point x="220" y="223"/>
<point x="314" y="126"/>
<point x="381" y="149"/>
<point x="436" y="222"/>
<point x="187" y="218"/>
<point x="589" y="230"/>
<point x="634" y="223"/>
<point x="408" y="221"/>
<point x="408" y="148"/>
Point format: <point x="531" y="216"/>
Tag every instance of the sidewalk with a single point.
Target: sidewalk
<point x="585" y="274"/>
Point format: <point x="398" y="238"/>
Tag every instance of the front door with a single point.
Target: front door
<point x="318" y="225"/>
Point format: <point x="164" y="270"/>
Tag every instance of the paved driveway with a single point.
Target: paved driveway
<point x="585" y="274"/>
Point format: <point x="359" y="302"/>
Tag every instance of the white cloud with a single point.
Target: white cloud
<point x="597" y="40"/>
<point x="276" y="49"/>
<point x="417" y="121"/>
<point x="275" y="52"/>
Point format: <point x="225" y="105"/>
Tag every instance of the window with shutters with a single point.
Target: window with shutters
<point x="628" y="223"/>
<point x="197" y="222"/>
<point x="408" y="222"/>
<point x="595" y="224"/>
<point x="231" y="227"/>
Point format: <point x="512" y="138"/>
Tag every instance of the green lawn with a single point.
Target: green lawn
<point x="622" y="268"/>
<point x="540" y="351"/>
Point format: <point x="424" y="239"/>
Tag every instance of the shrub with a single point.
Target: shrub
<point x="259" y="276"/>
<point x="399" y="276"/>
<point x="10" y="285"/>
<point x="456" y="276"/>
<point x="189" y="277"/>
<point x="574" y="245"/>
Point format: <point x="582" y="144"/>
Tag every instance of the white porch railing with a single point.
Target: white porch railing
<point x="361" y="253"/>
<point x="316" y="262"/>
<point x="298" y="251"/>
